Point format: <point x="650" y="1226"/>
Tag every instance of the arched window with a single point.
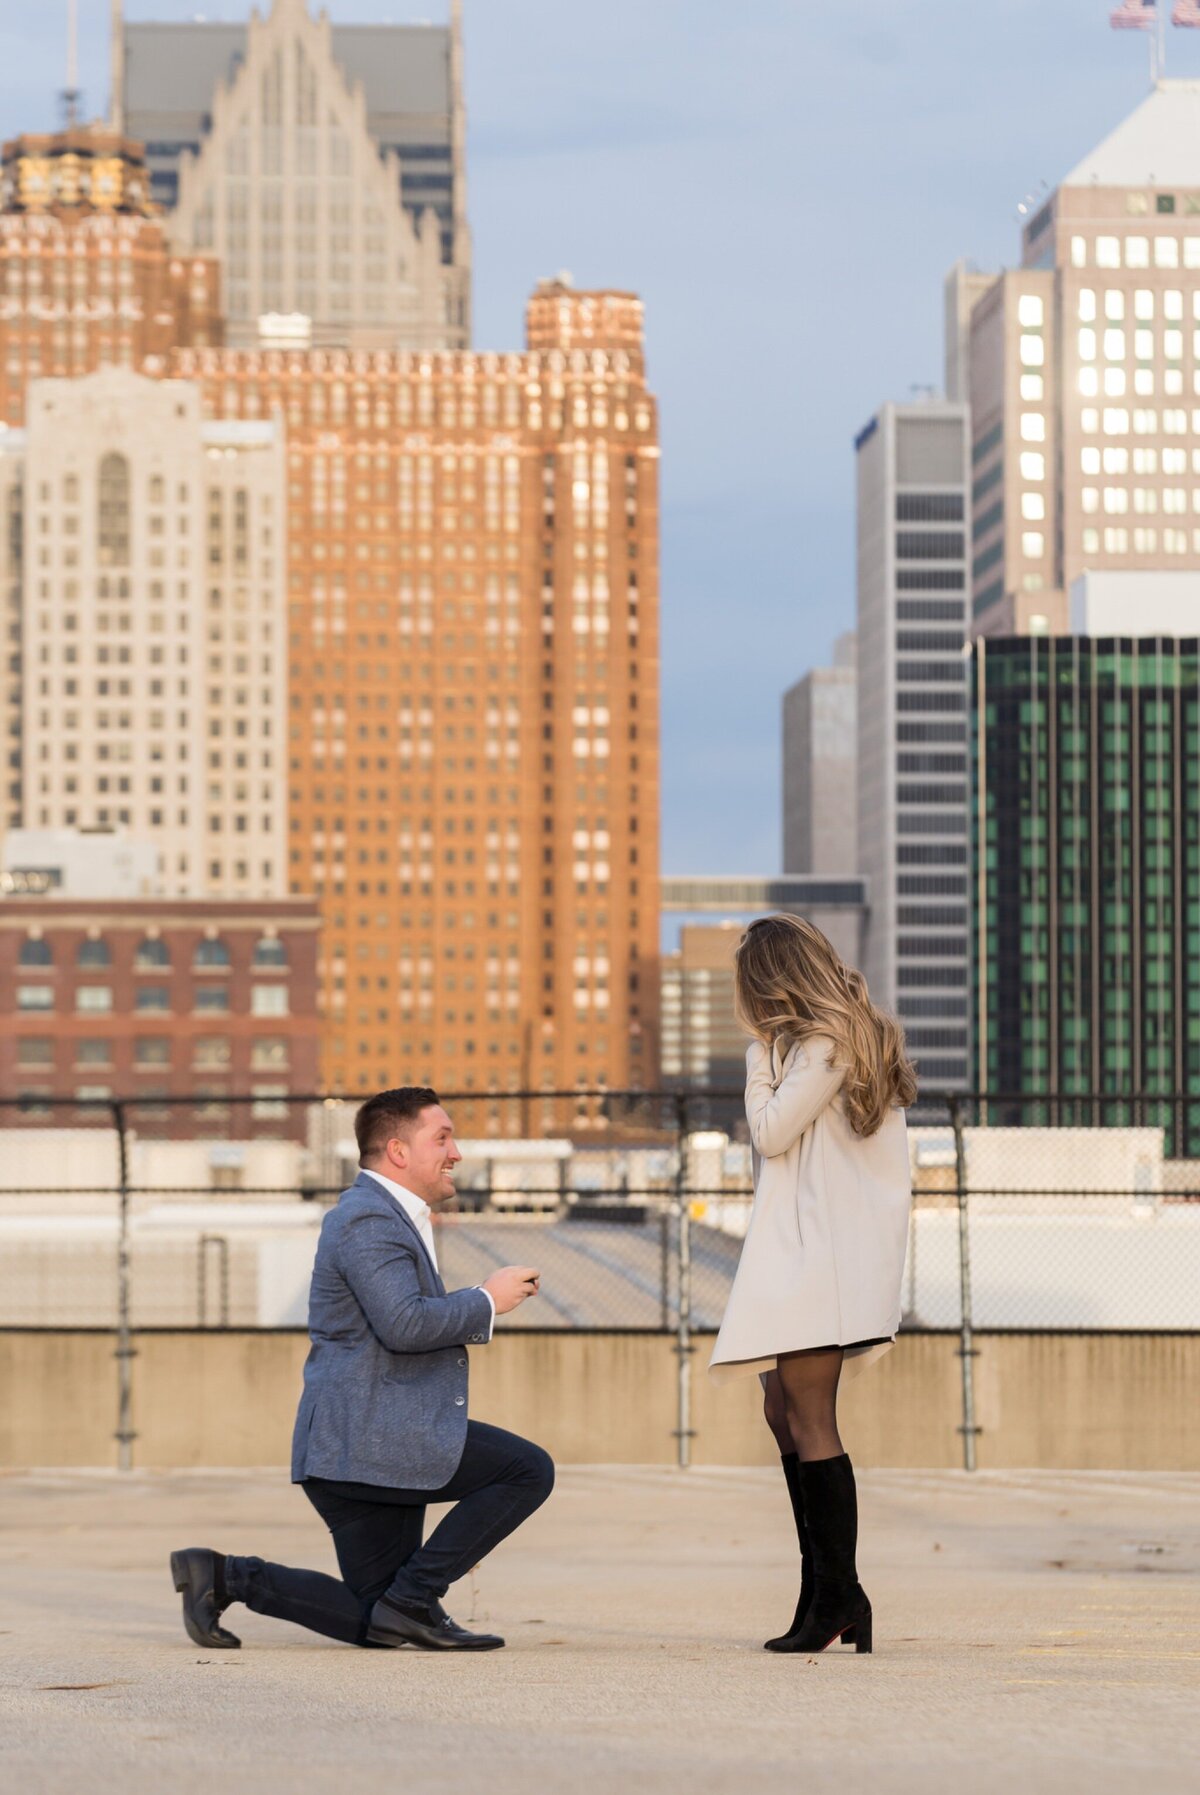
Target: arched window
<point x="211" y="953"/>
<point x="112" y="529"/>
<point x="93" y="953"/>
<point x="35" y="952"/>
<point x="270" y="951"/>
<point x="152" y="952"/>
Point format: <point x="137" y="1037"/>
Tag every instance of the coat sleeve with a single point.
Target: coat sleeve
<point x="780" y="1109"/>
<point x="380" y="1265"/>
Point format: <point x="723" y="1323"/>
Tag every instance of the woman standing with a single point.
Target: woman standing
<point x="818" y="1282"/>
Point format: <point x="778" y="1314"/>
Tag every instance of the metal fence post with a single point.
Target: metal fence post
<point x="125" y="1349"/>
<point x="683" y="1335"/>
<point x="664" y="1243"/>
<point x="966" y="1345"/>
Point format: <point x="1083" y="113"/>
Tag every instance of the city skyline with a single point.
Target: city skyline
<point x="706" y="123"/>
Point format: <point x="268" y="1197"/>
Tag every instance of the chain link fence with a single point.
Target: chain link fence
<point x="1029" y="1213"/>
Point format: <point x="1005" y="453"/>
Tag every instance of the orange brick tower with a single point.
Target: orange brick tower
<point x="473" y="653"/>
<point x="89" y="279"/>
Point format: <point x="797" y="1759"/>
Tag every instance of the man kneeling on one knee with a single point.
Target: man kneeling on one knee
<point x="382" y="1428"/>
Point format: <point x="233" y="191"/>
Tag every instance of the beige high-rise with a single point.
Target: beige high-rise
<point x="324" y="166"/>
<point x="1084" y="376"/>
<point x="152" y="584"/>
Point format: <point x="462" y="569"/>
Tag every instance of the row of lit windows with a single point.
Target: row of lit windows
<point x="152" y="953"/>
<point x="1144" y="305"/>
<point x="1115" y="383"/>
<point x="1114" y="341"/>
<point x="1116" y="499"/>
<point x="1135" y="252"/>
<point x="266" y="1051"/>
<point x="97" y="1000"/>
<point x="1143" y="461"/>
<point x="1117" y="420"/>
<point x="1117" y="541"/>
<point x="307" y="403"/>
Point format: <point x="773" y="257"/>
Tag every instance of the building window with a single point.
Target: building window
<point x="35" y="952"/>
<point x="212" y="1051"/>
<point x="269" y="1054"/>
<point x="929" y="508"/>
<point x="152" y="1000"/>
<point x="35" y="1050"/>
<point x="269" y="1103"/>
<point x="270" y="951"/>
<point x="929" y="545"/>
<point x="213" y="999"/>
<point x="94" y="1050"/>
<point x="269" y="1000"/>
<point x="35" y="997"/>
<point x="113" y="519"/>
<point x="151" y="953"/>
<point x="152" y="1050"/>
<point x="93" y="953"/>
<point x="210" y="953"/>
<point x="94" y="1000"/>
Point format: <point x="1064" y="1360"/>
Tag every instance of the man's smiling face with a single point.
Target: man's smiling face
<point x="423" y="1160"/>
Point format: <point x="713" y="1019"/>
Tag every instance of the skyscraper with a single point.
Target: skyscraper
<point x="467" y="547"/>
<point x="820" y="797"/>
<point x="1087" y="869"/>
<point x="88" y="274"/>
<point x="912" y="518"/>
<point x="149" y="567"/>
<point x="1084" y="375"/>
<point x="325" y="166"/>
<point x="473" y="726"/>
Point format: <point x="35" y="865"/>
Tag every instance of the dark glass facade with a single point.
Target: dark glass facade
<point x="1086" y="873"/>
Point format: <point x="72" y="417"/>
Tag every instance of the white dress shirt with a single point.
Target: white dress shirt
<point x="421" y="1216"/>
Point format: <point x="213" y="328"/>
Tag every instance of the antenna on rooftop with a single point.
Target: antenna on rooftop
<point x="70" y="94"/>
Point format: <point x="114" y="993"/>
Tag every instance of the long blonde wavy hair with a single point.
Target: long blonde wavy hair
<point x="790" y="984"/>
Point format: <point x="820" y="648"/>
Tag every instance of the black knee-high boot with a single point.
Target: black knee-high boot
<point x="839" y="1607"/>
<point x="791" y="1472"/>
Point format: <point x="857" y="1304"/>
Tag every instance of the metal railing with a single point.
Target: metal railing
<point x="1031" y="1211"/>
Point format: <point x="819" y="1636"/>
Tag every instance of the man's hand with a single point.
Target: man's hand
<point x="509" y="1287"/>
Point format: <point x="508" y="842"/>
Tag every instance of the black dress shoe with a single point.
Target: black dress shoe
<point x="194" y="1574"/>
<point x="398" y="1622"/>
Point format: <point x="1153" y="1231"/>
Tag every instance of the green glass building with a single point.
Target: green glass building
<point x="1086" y="874"/>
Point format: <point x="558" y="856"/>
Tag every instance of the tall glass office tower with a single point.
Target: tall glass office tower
<point x="1086" y="870"/>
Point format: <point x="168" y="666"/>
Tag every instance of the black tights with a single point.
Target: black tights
<point x="800" y="1403"/>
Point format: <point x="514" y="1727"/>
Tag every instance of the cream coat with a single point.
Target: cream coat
<point x="823" y="1259"/>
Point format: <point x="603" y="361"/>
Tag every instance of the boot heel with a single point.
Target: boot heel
<point x="179" y="1576"/>
<point x="861" y="1635"/>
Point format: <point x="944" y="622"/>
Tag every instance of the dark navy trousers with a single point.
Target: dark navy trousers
<point x="377" y="1535"/>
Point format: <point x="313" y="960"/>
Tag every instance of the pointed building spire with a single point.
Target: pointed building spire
<point x="116" y="63"/>
<point x="461" y="253"/>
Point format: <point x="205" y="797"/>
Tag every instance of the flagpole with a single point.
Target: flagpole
<point x="1158" y="58"/>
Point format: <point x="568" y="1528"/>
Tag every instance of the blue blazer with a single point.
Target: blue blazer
<point x="385" y="1382"/>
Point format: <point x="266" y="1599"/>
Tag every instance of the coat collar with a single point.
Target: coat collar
<point x="372" y="1187"/>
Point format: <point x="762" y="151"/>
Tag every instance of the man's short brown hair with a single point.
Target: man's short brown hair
<point x="388" y="1114"/>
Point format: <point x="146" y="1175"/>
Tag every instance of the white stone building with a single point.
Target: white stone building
<point x="152" y="609"/>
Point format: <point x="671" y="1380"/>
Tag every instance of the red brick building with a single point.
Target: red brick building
<point x="161" y="998"/>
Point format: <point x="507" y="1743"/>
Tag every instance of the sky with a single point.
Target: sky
<point x="786" y="183"/>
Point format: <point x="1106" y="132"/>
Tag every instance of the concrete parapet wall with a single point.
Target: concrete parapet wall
<point x="210" y="1398"/>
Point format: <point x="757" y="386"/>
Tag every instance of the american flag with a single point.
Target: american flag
<point x="1187" y="14"/>
<point x="1134" y="15"/>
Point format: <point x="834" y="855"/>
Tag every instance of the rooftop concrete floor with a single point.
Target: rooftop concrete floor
<point x="1034" y="1632"/>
